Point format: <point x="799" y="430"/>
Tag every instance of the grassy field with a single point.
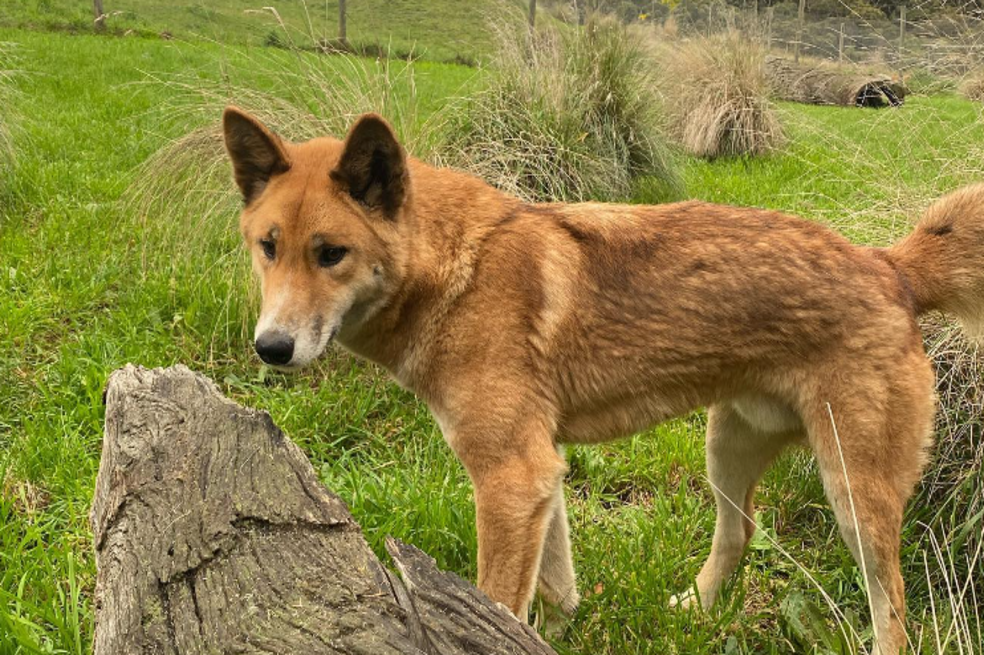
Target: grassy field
<point x="81" y="298"/>
<point x="435" y="30"/>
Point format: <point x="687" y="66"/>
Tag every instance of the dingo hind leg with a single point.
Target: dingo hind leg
<point x="870" y="444"/>
<point x="738" y="454"/>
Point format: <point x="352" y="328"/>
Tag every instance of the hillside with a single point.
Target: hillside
<point x="440" y="30"/>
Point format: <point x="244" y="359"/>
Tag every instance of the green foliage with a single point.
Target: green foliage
<point x="808" y="627"/>
<point x="437" y="29"/>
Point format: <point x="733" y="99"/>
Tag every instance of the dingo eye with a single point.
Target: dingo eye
<point x="269" y="248"/>
<point x="331" y="255"/>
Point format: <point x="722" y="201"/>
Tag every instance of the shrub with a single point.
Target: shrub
<point x="718" y="96"/>
<point x="566" y="115"/>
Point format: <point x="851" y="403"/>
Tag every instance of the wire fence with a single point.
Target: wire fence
<point x="950" y="46"/>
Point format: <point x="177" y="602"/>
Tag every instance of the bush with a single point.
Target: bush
<point x="566" y="115"/>
<point x="718" y="96"/>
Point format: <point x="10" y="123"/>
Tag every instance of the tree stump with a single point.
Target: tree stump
<point x="214" y="535"/>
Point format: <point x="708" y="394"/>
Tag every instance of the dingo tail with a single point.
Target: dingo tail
<point x="943" y="258"/>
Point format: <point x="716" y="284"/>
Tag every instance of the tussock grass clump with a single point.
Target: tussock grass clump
<point x="183" y="201"/>
<point x="186" y="186"/>
<point x="954" y="484"/>
<point x="6" y="118"/>
<point x="949" y="509"/>
<point x="307" y="96"/>
<point x="972" y="87"/>
<point x="718" y="96"/>
<point x="570" y="115"/>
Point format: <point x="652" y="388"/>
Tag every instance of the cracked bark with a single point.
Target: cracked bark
<point x="214" y="535"/>
<point x="825" y="85"/>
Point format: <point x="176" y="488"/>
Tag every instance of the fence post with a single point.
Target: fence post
<point x="532" y="14"/>
<point x="901" y="35"/>
<point x="99" y="17"/>
<point x="341" y="22"/>
<point x="768" y="28"/>
<point x="799" y="30"/>
<point x="840" y="45"/>
<point x="901" y="26"/>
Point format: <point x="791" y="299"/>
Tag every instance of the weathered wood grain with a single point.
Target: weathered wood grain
<point x="214" y="535"/>
<point x="823" y="84"/>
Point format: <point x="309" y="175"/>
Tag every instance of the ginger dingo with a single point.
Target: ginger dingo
<point x="524" y="327"/>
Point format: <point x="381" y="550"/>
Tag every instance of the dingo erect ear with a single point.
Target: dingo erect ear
<point x="373" y="165"/>
<point x="257" y="153"/>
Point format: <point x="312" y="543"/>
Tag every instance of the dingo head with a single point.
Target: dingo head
<point x="322" y="220"/>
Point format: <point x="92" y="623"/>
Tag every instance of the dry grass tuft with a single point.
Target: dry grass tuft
<point x="25" y="497"/>
<point x="955" y="480"/>
<point x="183" y="202"/>
<point x="718" y="96"/>
<point x="569" y="115"/>
<point x="7" y="73"/>
<point x="950" y="502"/>
<point x="951" y="495"/>
<point x="186" y="186"/>
<point x="972" y="87"/>
<point x="821" y="82"/>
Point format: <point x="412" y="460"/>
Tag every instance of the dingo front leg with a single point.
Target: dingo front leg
<point x="516" y="478"/>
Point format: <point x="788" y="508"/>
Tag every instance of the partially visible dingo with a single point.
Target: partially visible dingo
<point x="524" y="327"/>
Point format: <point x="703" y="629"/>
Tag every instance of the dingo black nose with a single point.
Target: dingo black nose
<point x="275" y="348"/>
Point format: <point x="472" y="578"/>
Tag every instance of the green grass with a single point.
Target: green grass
<point x="78" y="302"/>
<point x="436" y="29"/>
<point x="868" y="172"/>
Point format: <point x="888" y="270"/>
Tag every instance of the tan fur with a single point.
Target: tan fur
<point x="524" y="327"/>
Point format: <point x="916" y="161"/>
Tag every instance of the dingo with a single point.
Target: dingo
<point x="524" y="327"/>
